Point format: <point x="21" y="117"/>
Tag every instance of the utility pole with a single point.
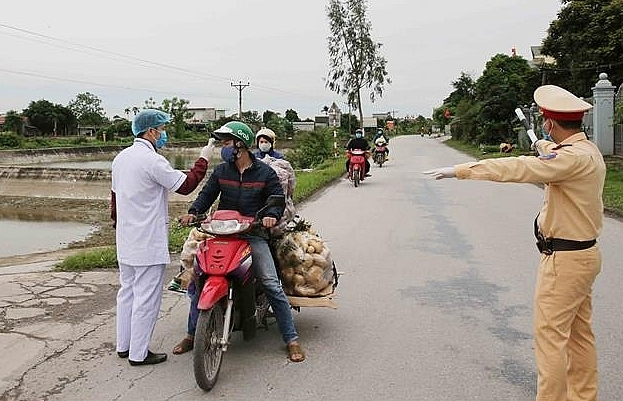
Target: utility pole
<point x="240" y="86"/>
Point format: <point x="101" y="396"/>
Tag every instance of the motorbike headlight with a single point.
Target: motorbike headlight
<point x="225" y="227"/>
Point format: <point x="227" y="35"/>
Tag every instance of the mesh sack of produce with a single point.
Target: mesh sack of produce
<point x="187" y="257"/>
<point x="305" y="264"/>
<point x="287" y="179"/>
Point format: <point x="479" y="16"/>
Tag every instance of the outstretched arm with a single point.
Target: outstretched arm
<point x="441" y="172"/>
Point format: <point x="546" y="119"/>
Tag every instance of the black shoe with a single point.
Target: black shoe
<point x="151" y="359"/>
<point x="123" y="354"/>
<point x="368" y="175"/>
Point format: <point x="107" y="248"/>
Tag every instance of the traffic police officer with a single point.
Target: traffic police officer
<point x="573" y="173"/>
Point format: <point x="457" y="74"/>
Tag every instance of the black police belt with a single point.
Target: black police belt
<point x="548" y="246"/>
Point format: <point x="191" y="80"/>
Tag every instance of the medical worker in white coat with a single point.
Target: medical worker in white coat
<point x="141" y="181"/>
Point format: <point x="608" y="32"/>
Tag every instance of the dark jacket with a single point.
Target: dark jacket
<point x="358" y="143"/>
<point x="246" y="192"/>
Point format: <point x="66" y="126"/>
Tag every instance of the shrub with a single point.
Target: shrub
<point x="10" y="140"/>
<point x="311" y="149"/>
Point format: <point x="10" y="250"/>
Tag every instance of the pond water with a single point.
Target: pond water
<point x="24" y="237"/>
<point x="179" y="159"/>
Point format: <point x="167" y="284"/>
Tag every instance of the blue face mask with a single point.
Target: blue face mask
<point x="227" y="154"/>
<point x="545" y="135"/>
<point x="160" y="142"/>
<point x="358" y="135"/>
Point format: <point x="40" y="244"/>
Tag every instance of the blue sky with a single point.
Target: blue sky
<point x="126" y="52"/>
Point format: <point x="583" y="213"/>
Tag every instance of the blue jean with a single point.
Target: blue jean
<point x="266" y="273"/>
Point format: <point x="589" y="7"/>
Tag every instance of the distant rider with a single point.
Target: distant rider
<point x="385" y="141"/>
<point x="359" y="142"/>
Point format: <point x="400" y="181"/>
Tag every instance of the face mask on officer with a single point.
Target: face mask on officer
<point x="545" y="132"/>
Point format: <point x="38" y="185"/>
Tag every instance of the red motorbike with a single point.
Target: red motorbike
<point x="356" y="165"/>
<point x="229" y="298"/>
<point x="379" y="155"/>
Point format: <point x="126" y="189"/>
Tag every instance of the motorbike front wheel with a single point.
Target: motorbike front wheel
<point x="356" y="178"/>
<point x="207" y="351"/>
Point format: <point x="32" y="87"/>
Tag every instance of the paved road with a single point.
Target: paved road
<point x="434" y="304"/>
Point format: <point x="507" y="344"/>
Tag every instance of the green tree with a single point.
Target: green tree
<point x="501" y="88"/>
<point x="355" y="62"/>
<point x="252" y="118"/>
<point x="268" y="115"/>
<point x="150" y="104"/>
<point x="586" y="39"/>
<point x="49" y="118"/>
<point x="178" y="109"/>
<point x="13" y="122"/>
<point x="349" y="122"/>
<point x="88" y="109"/>
<point x="292" y="116"/>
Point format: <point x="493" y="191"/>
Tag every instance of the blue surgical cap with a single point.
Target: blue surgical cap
<point x="149" y="118"/>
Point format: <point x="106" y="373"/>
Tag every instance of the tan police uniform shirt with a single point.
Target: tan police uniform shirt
<point x="573" y="174"/>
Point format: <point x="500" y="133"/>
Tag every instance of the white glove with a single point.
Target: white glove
<point x="441" y="172"/>
<point x="206" y="151"/>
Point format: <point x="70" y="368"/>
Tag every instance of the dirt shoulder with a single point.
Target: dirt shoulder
<point x="89" y="211"/>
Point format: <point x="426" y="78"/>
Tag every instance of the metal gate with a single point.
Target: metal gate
<point x="618" y="128"/>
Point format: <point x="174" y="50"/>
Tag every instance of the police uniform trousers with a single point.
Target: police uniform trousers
<point x="564" y="342"/>
<point x="138" y="304"/>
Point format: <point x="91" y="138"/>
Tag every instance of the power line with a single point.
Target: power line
<point x="144" y="62"/>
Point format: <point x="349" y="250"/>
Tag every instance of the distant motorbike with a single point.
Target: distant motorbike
<point x="229" y="299"/>
<point x="356" y="166"/>
<point x="379" y="154"/>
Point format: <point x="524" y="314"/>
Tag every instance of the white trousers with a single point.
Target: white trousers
<point x="138" y="304"/>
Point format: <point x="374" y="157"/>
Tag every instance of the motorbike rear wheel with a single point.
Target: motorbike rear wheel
<point x="380" y="159"/>
<point x="207" y="351"/>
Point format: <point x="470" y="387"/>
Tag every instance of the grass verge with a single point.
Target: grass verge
<point x="307" y="183"/>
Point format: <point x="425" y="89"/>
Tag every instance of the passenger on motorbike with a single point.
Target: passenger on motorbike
<point x="244" y="184"/>
<point x="265" y="140"/>
<point x="359" y="142"/>
<point x="381" y="134"/>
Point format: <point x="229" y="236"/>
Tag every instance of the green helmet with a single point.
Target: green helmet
<point x="238" y="130"/>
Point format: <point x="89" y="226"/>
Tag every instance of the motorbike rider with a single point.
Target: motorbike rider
<point x="359" y="142"/>
<point x="244" y="183"/>
<point x="381" y="138"/>
<point x="265" y="141"/>
<point x="380" y="133"/>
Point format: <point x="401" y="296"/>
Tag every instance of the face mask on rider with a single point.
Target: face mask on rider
<point x="358" y="135"/>
<point x="265" y="147"/>
<point x="229" y="153"/>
